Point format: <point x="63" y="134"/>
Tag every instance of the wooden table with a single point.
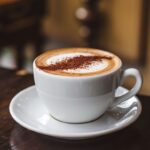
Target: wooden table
<point x="15" y="137"/>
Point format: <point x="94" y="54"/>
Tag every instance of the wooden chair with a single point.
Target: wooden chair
<point x="20" y="24"/>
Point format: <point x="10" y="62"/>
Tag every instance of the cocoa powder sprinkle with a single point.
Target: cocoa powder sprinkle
<point x="74" y="63"/>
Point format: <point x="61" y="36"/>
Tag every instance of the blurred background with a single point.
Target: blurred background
<point x="30" y="27"/>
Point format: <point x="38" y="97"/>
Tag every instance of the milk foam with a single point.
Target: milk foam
<point x="94" y="66"/>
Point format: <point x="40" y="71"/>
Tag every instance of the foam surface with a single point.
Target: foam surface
<point x="94" y="66"/>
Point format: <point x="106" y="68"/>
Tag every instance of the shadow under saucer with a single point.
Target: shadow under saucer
<point x="23" y="139"/>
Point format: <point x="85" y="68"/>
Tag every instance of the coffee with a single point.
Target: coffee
<point x="78" y="85"/>
<point x="77" y="62"/>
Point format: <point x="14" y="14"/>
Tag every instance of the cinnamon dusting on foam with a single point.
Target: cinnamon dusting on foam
<point x="77" y="62"/>
<point x="74" y="63"/>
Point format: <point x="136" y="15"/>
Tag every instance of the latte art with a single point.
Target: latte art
<point x="76" y="62"/>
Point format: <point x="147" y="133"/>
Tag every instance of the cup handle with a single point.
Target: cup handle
<point x="137" y="75"/>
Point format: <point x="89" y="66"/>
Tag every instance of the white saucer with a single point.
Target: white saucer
<point x="27" y="110"/>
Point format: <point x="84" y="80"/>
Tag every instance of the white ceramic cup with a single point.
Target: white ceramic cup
<point x="82" y="99"/>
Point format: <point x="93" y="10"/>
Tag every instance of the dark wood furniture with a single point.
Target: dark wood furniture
<point x="144" y="34"/>
<point x="15" y="137"/>
<point x="90" y="21"/>
<point x="20" y="24"/>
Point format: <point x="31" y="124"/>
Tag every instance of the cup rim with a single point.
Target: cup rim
<point x="78" y="77"/>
